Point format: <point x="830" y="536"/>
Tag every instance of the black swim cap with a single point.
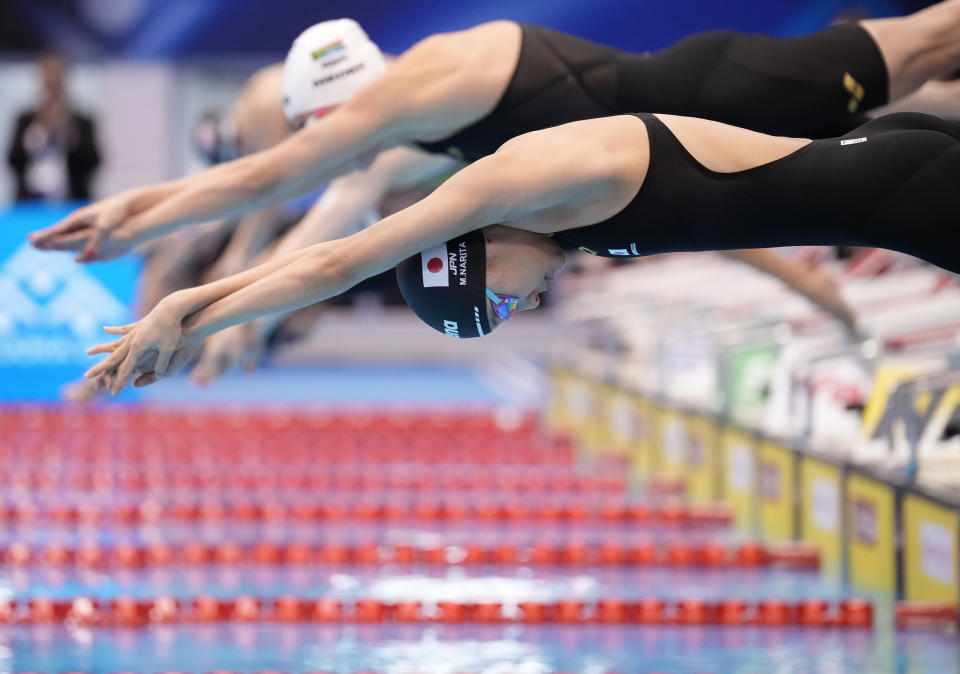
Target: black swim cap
<point x="446" y="286"/>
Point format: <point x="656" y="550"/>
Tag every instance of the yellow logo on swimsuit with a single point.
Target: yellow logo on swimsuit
<point x="584" y="249"/>
<point x="856" y="91"/>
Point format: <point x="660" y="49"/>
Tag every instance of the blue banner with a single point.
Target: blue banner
<point x="202" y="28"/>
<point x="51" y="308"/>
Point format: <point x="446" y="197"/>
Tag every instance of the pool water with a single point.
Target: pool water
<point x="226" y="515"/>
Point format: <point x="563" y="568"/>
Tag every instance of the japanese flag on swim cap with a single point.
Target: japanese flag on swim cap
<point x="446" y="286"/>
<point x="326" y="64"/>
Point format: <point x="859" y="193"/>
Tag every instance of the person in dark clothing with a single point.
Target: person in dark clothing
<point x="53" y="149"/>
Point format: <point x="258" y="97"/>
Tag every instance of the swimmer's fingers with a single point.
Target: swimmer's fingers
<point x="107" y="365"/>
<point x="104" y="382"/>
<point x="180" y="358"/>
<point x="94" y="230"/>
<point x="93" y="245"/>
<point x="98" y="385"/>
<point x="130" y="368"/>
<point x="101" y="383"/>
<point x="110" y="347"/>
<point x="164" y="354"/>
<point x="68" y="241"/>
<point x="119" y="329"/>
<point x="143" y="359"/>
<point x="110" y="363"/>
<point x="76" y="221"/>
<point x="183" y="355"/>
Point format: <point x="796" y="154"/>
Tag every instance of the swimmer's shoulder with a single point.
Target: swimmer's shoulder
<point x="596" y="148"/>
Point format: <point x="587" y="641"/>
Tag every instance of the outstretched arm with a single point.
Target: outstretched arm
<point x="349" y="199"/>
<point x="346" y="203"/>
<point x="329" y="268"/>
<point x="344" y="209"/>
<point x="421" y="95"/>
<point x="251" y="234"/>
<point x="163" y="341"/>
<point x="514" y="186"/>
<point x="311" y="157"/>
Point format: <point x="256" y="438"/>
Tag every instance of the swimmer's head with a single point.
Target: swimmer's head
<point x="326" y="64"/>
<point x="468" y="286"/>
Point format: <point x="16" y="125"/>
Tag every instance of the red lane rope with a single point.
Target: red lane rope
<point x="926" y="615"/>
<point x="127" y="611"/>
<point x="154" y="509"/>
<point x="474" y="439"/>
<point x="313" y="477"/>
<point x="225" y="451"/>
<point x="800" y="557"/>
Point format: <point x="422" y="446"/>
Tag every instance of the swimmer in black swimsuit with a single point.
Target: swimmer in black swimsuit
<point x="467" y="93"/>
<point x="619" y="186"/>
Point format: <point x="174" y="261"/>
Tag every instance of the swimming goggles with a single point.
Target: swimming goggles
<point x="307" y="121"/>
<point x="505" y="306"/>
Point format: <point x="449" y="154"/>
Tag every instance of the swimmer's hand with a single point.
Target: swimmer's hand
<point x="154" y="347"/>
<point x="224" y="350"/>
<point x="100" y="231"/>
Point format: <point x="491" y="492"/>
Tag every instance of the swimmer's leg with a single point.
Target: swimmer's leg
<point x="918" y="47"/>
<point x="812" y="85"/>
<point x="781" y="86"/>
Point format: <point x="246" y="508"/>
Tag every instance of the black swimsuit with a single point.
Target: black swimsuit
<point x="793" y="86"/>
<point x="890" y="183"/>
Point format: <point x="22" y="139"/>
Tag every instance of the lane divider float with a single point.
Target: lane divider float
<point x="927" y="615"/>
<point x="613" y="553"/>
<point x="267" y="477"/>
<point x="132" y="612"/>
<point x="154" y="509"/>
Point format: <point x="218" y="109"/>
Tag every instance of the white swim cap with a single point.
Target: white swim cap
<point x="326" y="64"/>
